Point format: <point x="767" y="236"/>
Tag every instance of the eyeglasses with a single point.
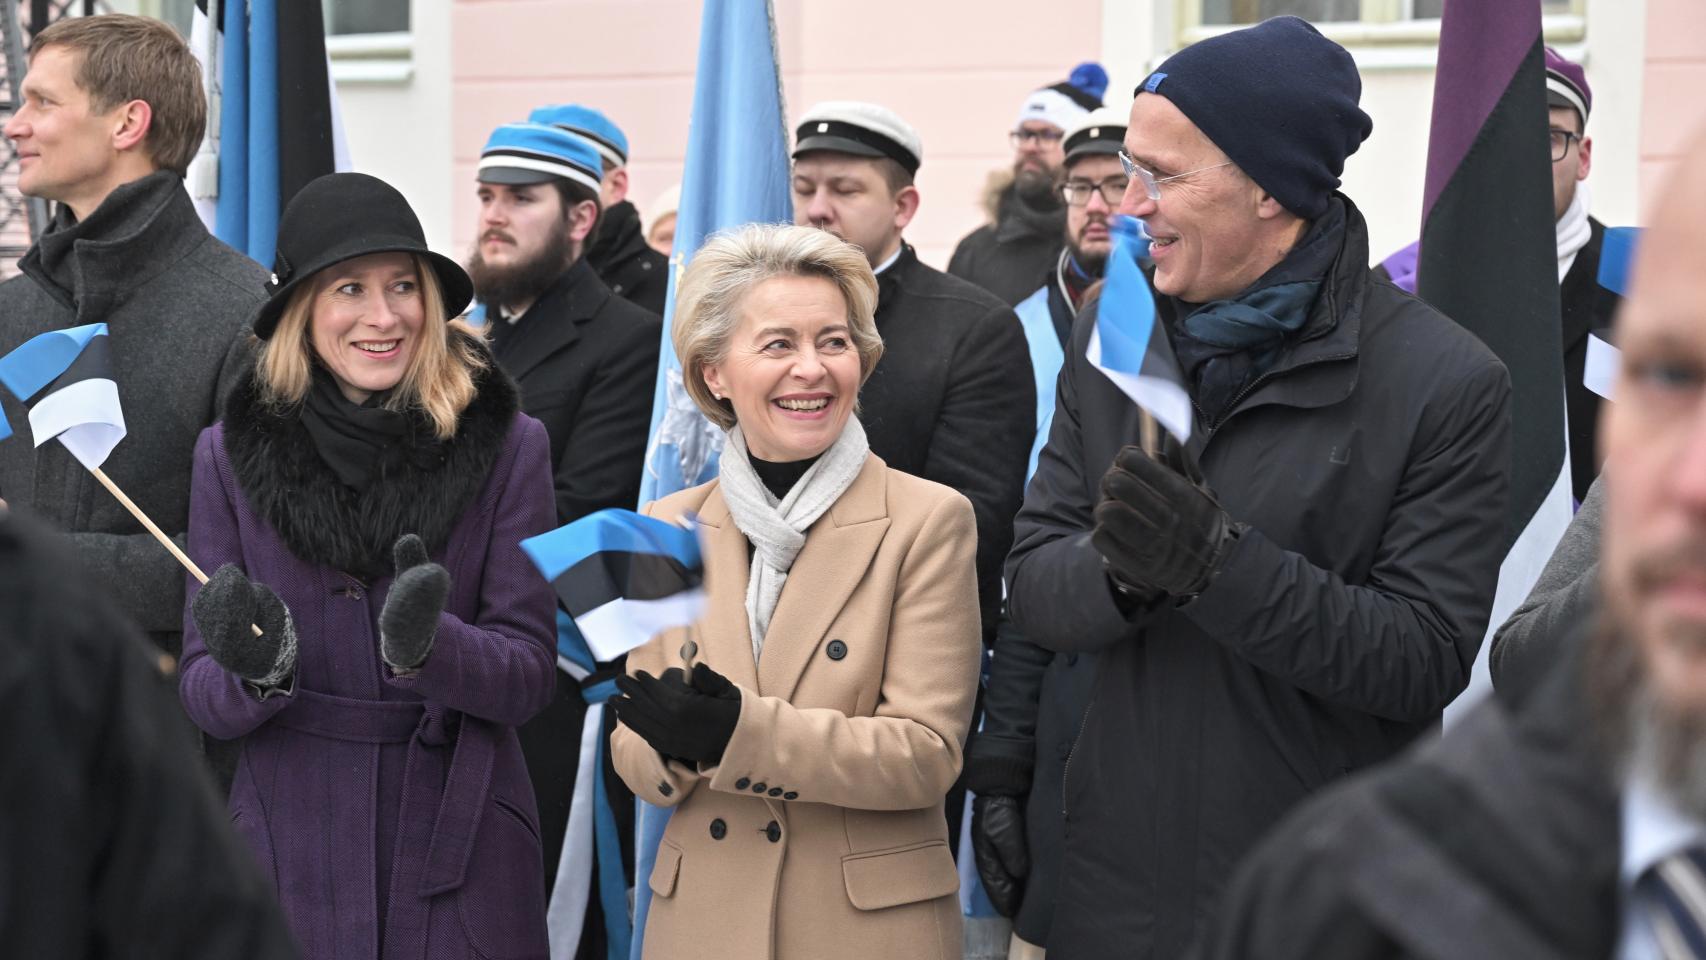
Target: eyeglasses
<point x="1076" y="193"/>
<point x="1019" y="138"/>
<point x="1152" y="183"/>
<point x="1561" y="143"/>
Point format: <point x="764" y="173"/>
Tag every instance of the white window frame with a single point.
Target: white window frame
<point x="372" y="57"/>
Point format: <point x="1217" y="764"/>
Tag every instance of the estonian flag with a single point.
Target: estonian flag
<point x="273" y="122"/>
<point x="1128" y="345"/>
<point x="65" y="379"/>
<point x="622" y="576"/>
<point x="1488" y="260"/>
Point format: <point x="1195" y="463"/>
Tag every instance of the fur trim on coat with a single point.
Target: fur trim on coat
<point x="323" y="521"/>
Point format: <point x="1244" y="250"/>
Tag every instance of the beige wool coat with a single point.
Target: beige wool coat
<point x="821" y="833"/>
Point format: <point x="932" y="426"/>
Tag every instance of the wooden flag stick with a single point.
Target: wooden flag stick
<point x="153" y="528"/>
<point x="1147" y="433"/>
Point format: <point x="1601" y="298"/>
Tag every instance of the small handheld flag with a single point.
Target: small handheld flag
<point x="65" y="379"/>
<point x="1128" y="345"/>
<point x="622" y="576"/>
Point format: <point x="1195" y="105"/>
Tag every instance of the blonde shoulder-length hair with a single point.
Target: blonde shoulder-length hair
<point x="731" y="264"/>
<point x="439" y="379"/>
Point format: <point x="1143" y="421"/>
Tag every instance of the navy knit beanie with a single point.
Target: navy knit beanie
<point x="1281" y="101"/>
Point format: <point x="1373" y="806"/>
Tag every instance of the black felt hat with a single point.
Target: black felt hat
<point x="339" y="217"/>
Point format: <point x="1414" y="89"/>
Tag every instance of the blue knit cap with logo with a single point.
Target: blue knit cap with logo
<point x="1279" y="99"/>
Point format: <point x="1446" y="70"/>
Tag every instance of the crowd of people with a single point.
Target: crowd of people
<point x="942" y="559"/>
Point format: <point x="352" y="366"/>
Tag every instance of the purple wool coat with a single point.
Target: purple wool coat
<point x="394" y="815"/>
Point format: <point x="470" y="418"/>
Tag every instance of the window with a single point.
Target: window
<point x="345" y="17"/>
<point x="1357" y="21"/>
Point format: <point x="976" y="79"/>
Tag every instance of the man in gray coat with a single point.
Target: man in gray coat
<point x="112" y="113"/>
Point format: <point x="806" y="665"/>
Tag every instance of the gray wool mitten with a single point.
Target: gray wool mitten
<point x="226" y="609"/>
<point x="409" y="620"/>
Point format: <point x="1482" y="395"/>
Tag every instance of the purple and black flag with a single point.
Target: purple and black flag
<point x="1488" y="256"/>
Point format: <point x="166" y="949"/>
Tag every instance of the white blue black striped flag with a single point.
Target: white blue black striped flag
<point x="65" y="379"/>
<point x="622" y="576"/>
<point x="1128" y="345"/>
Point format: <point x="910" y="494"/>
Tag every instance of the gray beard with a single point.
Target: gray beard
<point x="1657" y="744"/>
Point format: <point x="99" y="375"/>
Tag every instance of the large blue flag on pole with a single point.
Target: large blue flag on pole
<point x="736" y="173"/>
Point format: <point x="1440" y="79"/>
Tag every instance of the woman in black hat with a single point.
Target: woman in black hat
<point x="372" y="627"/>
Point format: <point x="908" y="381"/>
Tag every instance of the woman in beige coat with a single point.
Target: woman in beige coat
<point x="809" y="725"/>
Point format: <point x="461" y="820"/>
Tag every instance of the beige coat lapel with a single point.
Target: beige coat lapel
<point x="838" y="549"/>
<point x="722" y="632"/>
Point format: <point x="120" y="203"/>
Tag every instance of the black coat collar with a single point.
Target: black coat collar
<point x="553" y="323"/>
<point x="620" y="239"/>
<point x="323" y="521"/>
<point x="1580" y="292"/>
<point x="891" y="281"/>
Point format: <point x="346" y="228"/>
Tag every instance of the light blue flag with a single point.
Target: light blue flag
<point x="736" y="173"/>
<point x="247" y="213"/>
<point x="1128" y="345"/>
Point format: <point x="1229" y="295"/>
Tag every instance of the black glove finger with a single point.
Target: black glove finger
<point x="1004" y="824"/>
<point x="1148" y="505"/>
<point x="711" y="683"/>
<point x="408" y="552"/>
<point x="1118" y="534"/>
<point x="638" y="687"/>
<point x="674" y="678"/>
<point x="645" y="726"/>
<point x="408" y="623"/>
<point x="223" y="599"/>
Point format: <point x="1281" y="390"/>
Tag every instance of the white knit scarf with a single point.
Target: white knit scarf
<point x="1573" y="230"/>
<point x="778" y="530"/>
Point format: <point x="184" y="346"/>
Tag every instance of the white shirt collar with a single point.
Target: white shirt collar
<point x="890" y="261"/>
<point x="1653" y="829"/>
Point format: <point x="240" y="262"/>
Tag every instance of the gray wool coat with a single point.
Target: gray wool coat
<point x="177" y="305"/>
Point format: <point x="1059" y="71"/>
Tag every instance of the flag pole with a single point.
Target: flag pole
<point x="1147" y="433"/>
<point x="153" y="528"/>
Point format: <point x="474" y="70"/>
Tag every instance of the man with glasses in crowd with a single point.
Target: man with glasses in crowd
<point x="1588" y="307"/>
<point x="1300" y="590"/>
<point x="1022" y="238"/>
<point x="1034" y="697"/>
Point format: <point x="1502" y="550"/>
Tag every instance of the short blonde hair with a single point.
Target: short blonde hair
<point x="440" y="376"/>
<point x="731" y="264"/>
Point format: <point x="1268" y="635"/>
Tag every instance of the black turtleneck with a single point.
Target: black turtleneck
<point x="779" y="478"/>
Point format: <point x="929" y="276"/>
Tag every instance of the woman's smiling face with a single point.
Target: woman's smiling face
<point x="366" y="320"/>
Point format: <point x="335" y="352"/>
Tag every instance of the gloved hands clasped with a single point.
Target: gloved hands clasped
<point x="1160" y="533"/>
<point x="685" y="718"/>
<point x="408" y="622"/>
<point x="999" y="847"/>
<point x="226" y="610"/>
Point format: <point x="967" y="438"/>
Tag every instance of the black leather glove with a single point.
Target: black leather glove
<point x="226" y="609"/>
<point x="998" y="845"/>
<point x="691" y="722"/>
<point x="409" y="620"/>
<point x="1157" y="530"/>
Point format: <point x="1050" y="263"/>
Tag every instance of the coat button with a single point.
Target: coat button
<point x="775" y="791"/>
<point x="773" y="832"/>
<point x="836" y="650"/>
<point x="689" y="650"/>
<point x="790" y="795"/>
<point x="719" y="829"/>
<point x="616" y="289"/>
<point x="742" y="783"/>
<point x="759" y="787"/>
<point x="665" y="789"/>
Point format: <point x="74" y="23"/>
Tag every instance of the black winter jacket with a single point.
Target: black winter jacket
<point x="1370" y="467"/>
<point x="115" y="844"/>
<point x="626" y="263"/>
<point x="1008" y="256"/>
<point x="953" y="401"/>
<point x="1499" y="842"/>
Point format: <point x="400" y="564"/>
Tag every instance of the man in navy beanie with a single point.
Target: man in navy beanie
<point x="1299" y="590"/>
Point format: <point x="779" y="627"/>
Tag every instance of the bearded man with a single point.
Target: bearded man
<point x="585" y="360"/>
<point x="1568" y="820"/>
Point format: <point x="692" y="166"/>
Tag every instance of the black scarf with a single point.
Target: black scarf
<point x="362" y="442"/>
<point x="1225" y="345"/>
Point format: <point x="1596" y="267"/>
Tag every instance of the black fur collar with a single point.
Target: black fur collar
<point x="323" y="521"/>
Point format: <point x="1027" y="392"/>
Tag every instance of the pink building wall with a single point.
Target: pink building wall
<point x="1673" y="107"/>
<point x="940" y="64"/>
